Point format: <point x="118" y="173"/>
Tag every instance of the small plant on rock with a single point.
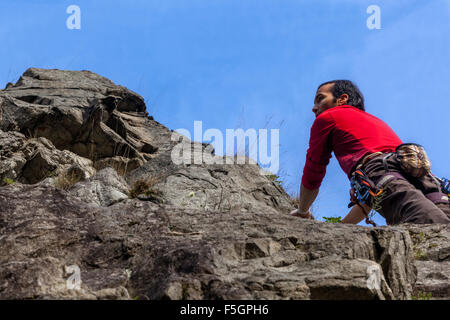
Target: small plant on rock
<point x="8" y="180"/>
<point x="422" y="296"/>
<point x="419" y="254"/>
<point x="120" y="169"/>
<point x="274" y="178"/>
<point x="333" y="219"/>
<point x="66" y="180"/>
<point x="146" y="187"/>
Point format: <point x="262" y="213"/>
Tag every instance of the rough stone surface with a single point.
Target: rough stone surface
<point x="157" y="251"/>
<point x="224" y="187"/>
<point x="82" y="112"/>
<point x="34" y="159"/>
<point x="196" y="230"/>
<point x="103" y="189"/>
<point x="89" y="115"/>
<point x="431" y="247"/>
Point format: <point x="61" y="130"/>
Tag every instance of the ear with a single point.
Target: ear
<point x="342" y="100"/>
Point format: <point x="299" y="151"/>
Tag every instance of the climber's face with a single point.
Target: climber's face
<point x="325" y="100"/>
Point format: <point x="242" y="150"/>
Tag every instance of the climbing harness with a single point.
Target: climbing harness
<point x="413" y="161"/>
<point x="442" y="195"/>
<point x="364" y="191"/>
<point x="364" y="187"/>
<point x="445" y="185"/>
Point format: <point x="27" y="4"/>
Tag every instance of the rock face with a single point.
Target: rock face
<point x="431" y="247"/>
<point x="90" y="116"/>
<point x="83" y="113"/>
<point x="34" y="159"/>
<point x="93" y="206"/>
<point x="103" y="189"/>
<point x="141" y="249"/>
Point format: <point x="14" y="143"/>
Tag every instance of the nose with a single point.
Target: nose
<point x="314" y="109"/>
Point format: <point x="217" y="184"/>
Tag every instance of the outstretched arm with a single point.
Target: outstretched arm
<point x="356" y="215"/>
<point x="307" y="198"/>
<point x="317" y="158"/>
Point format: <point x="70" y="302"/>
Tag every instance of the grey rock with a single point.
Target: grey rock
<point x="92" y="117"/>
<point x="223" y="187"/>
<point x="431" y="247"/>
<point x="82" y="112"/>
<point x="103" y="189"/>
<point x="153" y="250"/>
<point x="34" y="159"/>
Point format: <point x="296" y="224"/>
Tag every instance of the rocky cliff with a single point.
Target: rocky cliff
<point x="89" y="195"/>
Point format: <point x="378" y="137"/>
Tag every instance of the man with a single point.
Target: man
<point x="358" y="138"/>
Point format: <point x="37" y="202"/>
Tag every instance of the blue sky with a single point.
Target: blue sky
<point x="252" y="64"/>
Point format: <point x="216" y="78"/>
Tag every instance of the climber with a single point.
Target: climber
<point x="362" y="142"/>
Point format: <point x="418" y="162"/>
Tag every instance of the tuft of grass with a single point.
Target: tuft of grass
<point x="8" y="181"/>
<point x="145" y="186"/>
<point x="419" y="254"/>
<point x="333" y="219"/>
<point x="275" y="178"/>
<point x="121" y="169"/>
<point x="66" y="180"/>
<point x="295" y="200"/>
<point x="422" y="237"/>
<point x="51" y="174"/>
<point x="419" y="239"/>
<point x="422" y="296"/>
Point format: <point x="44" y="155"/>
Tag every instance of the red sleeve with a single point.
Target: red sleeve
<point x="319" y="151"/>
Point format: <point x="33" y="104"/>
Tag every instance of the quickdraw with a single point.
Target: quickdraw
<point x="363" y="187"/>
<point x="445" y="186"/>
<point x="443" y="183"/>
<point x="363" y="191"/>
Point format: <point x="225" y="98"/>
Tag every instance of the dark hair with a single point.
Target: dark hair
<point x="355" y="97"/>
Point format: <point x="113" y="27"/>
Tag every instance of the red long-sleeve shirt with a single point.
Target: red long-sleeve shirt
<point x="351" y="134"/>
